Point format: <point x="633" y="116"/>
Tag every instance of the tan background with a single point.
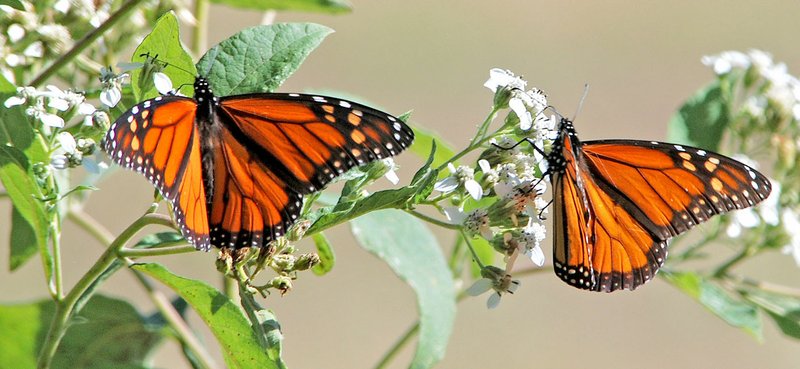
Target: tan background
<point x="641" y="60"/>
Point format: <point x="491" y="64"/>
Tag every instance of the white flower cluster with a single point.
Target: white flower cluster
<point x="782" y="88"/>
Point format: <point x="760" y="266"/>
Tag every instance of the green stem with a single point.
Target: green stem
<point x="475" y="257"/>
<point x="722" y="270"/>
<point x="158" y="251"/>
<point x="250" y="307"/>
<point x="767" y="286"/>
<point x="83" y="43"/>
<point x="66" y="308"/>
<point x="56" y="241"/>
<point x="433" y="221"/>
<point x="200" y="30"/>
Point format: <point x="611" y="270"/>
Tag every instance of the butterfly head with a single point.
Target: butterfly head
<point x="202" y="91"/>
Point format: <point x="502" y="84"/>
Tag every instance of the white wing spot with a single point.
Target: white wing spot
<point x="344" y="104"/>
<point x="397" y="126"/>
<point x="679" y="148"/>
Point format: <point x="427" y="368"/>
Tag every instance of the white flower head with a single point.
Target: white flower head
<point x="726" y="61"/>
<point x="477" y="222"/>
<point x="39" y="112"/>
<point x="494" y="280"/>
<point x="504" y="78"/>
<point x="112" y="87"/>
<point x="463" y="176"/>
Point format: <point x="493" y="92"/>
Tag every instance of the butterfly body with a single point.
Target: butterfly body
<point x="235" y="168"/>
<point x="618" y="202"/>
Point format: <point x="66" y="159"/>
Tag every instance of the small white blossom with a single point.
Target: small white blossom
<point x="34" y="50"/>
<point x="791" y="223"/>
<point x="391" y="172"/>
<point x="461" y="176"/>
<point x="67" y="142"/>
<point x="499" y="78"/>
<point x="495" y="280"/>
<point x="112" y="86"/>
<point x="477" y="222"/>
<point x="525" y="104"/>
<point x="15" y="32"/>
<point x="39" y="112"/>
<point x="163" y="83"/>
<point x="726" y="61"/>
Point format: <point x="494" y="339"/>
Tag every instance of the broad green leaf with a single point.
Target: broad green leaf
<point x="237" y="341"/>
<point x="259" y="59"/>
<point x="703" y="118"/>
<point x="29" y="225"/>
<point x="15" y="174"/>
<point x="23" y="240"/>
<point x="326" y="256"/>
<point x="165" y="44"/>
<point x="411" y="250"/>
<point x="736" y="313"/>
<point x="16" y="4"/>
<point x="424" y="140"/>
<point x="108" y="333"/>
<point x="317" y="6"/>
<point x="783" y="309"/>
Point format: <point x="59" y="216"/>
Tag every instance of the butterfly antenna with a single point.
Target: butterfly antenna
<point x="580" y="103"/>
<point x="155" y="59"/>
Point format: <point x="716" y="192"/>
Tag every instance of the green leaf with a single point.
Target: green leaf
<point x="108" y="333"/>
<point x="317" y="6"/>
<point x="15" y="174"/>
<point x="16" y="4"/>
<point x="703" y="118"/>
<point x="24" y="243"/>
<point x="411" y="250"/>
<point x="343" y="212"/>
<point x="274" y="336"/>
<point x="424" y="141"/>
<point x="163" y="42"/>
<point x="326" y="256"/>
<point x="259" y="59"/>
<point x="237" y="341"/>
<point x="159" y="239"/>
<point x="783" y="309"/>
<point x="734" y="312"/>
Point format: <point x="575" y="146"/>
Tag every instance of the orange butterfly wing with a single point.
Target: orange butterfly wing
<point x="158" y="138"/>
<point x="619" y="201"/>
<point x="273" y="148"/>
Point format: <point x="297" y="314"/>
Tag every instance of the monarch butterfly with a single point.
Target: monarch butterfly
<point x="235" y="168"/>
<point x="617" y="202"/>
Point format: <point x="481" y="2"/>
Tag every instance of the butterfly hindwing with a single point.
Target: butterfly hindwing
<point x="158" y="138"/>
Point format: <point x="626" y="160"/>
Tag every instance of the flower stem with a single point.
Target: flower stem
<point x="746" y="252"/>
<point x="433" y="221"/>
<point x="83" y="43"/>
<point x="475" y="257"/>
<point x="158" y="251"/>
<point x="200" y="30"/>
<point x="66" y="308"/>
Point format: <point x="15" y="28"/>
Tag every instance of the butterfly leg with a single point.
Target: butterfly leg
<point x="526" y="139"/>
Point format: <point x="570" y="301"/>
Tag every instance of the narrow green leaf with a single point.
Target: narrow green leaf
<point x="108" y="333"/>
<point x="734" y="312"/>
<point x="163" y="42"/>
<point x="15" y="174"/>
<point x="343" y="212"/>
<point x="424" y="140"/>
<point x="259" y="59"/>
<point x="158" y="239"/>
<point x="316" y="6"/>
<point x="702" y="119"/>
<point x="239" y="344"/>
<point x="23" y="240"/>
<point x="783" y="309"/>
<point x="411" y="250"/>
<point x="274" y="336"/>
<point x="326" y="256"/>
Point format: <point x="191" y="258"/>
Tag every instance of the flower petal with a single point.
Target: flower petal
<point x="494" y="300"/>
<point x="14" y="101"/>
<point x="163" y="83"/>
<point x="474" y="189"/>
<point x="479" y="287"/>
<point x="51" y="120"/>
<point x="110" y="97"/>
<point x="446" y="185"/>
<point x="67" y="142"/>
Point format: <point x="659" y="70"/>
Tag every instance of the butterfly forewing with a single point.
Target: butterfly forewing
<point x="159" y="139"/>
<point x="310" y="139"/>
<point x="619" y="201"/>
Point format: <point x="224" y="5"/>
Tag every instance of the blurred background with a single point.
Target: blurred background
<point x="641" y="60"/>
